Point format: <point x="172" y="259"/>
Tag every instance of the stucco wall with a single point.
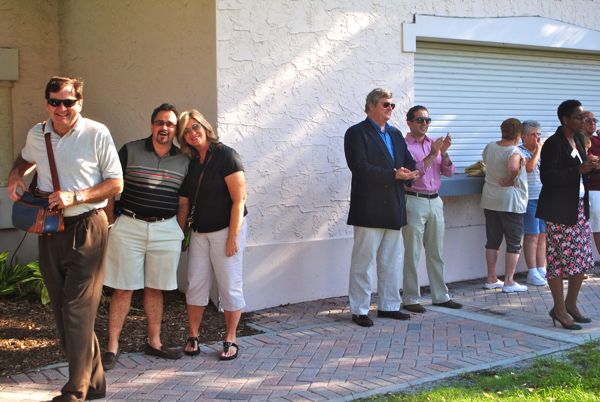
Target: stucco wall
<point x="292" y="77"/>
<point x="134" y="55"/>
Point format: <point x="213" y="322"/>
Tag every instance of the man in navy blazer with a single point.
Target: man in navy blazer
<point x="381" y="165"/>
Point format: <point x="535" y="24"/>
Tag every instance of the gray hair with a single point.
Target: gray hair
<point x="374" y="96"/>
<point x="529" y="125"/>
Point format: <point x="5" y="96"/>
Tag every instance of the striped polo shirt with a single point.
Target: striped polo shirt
<point x="151" y="184"/>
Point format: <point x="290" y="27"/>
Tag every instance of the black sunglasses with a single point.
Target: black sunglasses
<point x="67" y="102"/>
<point x="388" y="104"/>
<point x="421" y="120"/>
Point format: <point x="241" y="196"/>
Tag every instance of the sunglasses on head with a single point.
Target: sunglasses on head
<point x="421" y="120"/>
<point x="67" y="102"/>
<point x="389" y="104"/>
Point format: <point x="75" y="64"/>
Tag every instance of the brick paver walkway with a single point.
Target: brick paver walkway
<point x="312" y="351"/>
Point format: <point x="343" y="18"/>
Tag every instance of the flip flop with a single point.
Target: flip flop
<point x="193" y="341"/>
<point x="226" y="346"/>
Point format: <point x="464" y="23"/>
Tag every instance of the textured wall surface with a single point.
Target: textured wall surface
<point x="293" y="76"/>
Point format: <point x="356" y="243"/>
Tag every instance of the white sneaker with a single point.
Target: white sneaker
<point x="534" y="278"/>
<point x="514" y="288"/>
<point x="542" y="272"/>
<point x="496" y="285"/>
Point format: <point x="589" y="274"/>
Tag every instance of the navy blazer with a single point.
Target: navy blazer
<point x="559" y="173"/>
<point x="377" y="199"/>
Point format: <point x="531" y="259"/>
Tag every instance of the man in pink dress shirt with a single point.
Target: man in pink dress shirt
<point x="425" y="213"/>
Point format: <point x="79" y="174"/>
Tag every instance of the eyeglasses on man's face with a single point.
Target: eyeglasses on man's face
<point x="590" y="120"/>
<point x="388" y="104"/>
<point x="67" y="102"/>
<point x="422" y="120"/>
<point x="160" y="123"/>
<point x="196" y="127"/>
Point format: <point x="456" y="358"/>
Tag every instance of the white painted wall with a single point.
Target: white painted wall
<point x="292" y="77"/>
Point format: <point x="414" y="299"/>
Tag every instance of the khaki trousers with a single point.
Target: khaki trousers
<point x="424" y="228"/>
<point x="71" y="264"/>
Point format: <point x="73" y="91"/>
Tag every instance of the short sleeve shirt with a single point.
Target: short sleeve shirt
<point x="213" y="205"/>
<point x="85" y="157"/>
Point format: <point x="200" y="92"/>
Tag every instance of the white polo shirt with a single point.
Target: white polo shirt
<point x="85" y="156"/>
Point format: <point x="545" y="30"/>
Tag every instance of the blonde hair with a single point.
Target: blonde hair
<point x="184" y="118"/>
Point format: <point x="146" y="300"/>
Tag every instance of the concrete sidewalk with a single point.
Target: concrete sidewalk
<point x="312" y="351"/>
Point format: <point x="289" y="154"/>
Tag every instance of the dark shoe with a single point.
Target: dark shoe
<point x="91" y="395"/>
<point x="226" y="346"/>
<point x="193" y="341"/>
<point x="163" y="352"/>
<point x="109" y="360"/>
<point x="363" y="320"/>
<point x="414" y="308"/>
<point x="396" y="315"/>
<point x="565" y="326"/>
<point x="580" y="318"/>
<point x="449" y="304"/>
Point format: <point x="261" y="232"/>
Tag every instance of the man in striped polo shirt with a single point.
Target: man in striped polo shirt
<point x="144" y="244"/>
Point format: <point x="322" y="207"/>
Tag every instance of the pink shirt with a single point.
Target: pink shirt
<point x="431" y="176"/>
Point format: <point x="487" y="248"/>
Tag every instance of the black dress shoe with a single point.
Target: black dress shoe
<point x="363" y="320"/>
<point x="164" y="352"/>
<point x="91" y="395"/>
<point x="396" y="315"/>
<point x="449" y="304"/>
<point x="109" y="360"/>
<point x="414" y="308"/>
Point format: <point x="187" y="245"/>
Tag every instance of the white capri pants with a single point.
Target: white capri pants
<point x="207" y="262"/>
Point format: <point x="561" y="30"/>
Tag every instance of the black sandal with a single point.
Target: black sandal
<point x="226" y="346"/>
<point x="194" y="342"/>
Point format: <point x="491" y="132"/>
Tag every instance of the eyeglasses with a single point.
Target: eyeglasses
<point x="590" y="120"/>
<point x="67" y="102"/>
<point x="389" y="104"/>
<point x="160" y="123"/>
<point x="422" y="120"/>
<point x="196" y="127"/>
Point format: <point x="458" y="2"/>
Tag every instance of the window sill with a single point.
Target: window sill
<point x="461" y="184"/>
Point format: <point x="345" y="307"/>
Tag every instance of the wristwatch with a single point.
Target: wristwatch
<point x="78" y="197"/>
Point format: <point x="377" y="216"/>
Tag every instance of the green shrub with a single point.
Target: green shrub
<point x="21" y="280"/>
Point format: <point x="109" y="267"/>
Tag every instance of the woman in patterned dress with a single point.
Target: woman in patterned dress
<point x="563" y="204"/>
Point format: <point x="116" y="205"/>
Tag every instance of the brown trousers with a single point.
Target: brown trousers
<point x="71" y="264"/>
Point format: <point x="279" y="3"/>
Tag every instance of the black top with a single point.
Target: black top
<point x="377" y="199"/>
<point x="559" y="173"/>
<point x="213" y="206"/>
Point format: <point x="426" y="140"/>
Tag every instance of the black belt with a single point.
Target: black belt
<point x="150" y="219"/>
<point x="69" y="220"/>
<point x="423" y="195"/>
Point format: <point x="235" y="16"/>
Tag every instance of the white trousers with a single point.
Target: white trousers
<point x="383" y="248"/>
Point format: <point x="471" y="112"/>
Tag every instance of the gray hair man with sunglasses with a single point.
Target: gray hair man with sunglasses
<point x="89" y="173"/>
<point x="381" y="165"/>
<point x="425" y="212"/>
<point x="144" y="244"/>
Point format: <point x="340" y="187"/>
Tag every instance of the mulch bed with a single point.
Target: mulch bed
<point x="28" y="337"/>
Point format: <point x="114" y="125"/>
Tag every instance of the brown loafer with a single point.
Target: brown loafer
<point x="414" y="308"/>
<point x="449" y="304"/>
<point x="163" y="352"/>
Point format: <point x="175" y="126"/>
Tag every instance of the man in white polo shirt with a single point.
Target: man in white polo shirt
<point x="71" y="261"/>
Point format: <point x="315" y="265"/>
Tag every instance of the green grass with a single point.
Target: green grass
<point x="574" y="376"/>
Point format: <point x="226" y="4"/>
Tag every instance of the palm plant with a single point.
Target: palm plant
<point x="20" y="280"/>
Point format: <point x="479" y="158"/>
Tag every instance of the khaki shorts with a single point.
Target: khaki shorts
<point x="142" y="254"/>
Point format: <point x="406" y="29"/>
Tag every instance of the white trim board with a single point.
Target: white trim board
<point x="500" y="31"/>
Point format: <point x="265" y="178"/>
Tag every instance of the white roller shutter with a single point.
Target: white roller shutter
<point x="470" y="90"/>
